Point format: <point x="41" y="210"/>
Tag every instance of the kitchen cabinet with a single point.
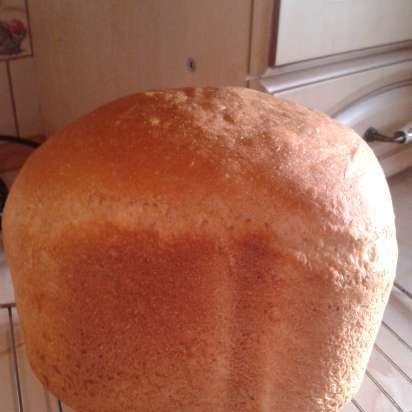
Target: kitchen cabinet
<point x="350" y="59"/>
<point x="316" y="28"/>
<point x="88" y="53"/>
<point x="381" y="98"/>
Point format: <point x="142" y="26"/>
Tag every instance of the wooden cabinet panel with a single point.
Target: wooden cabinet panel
<point x="90" y="52"/>
<point x="315" y="28"/>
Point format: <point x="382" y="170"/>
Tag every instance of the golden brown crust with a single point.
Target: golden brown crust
<point x="201" y="250"/>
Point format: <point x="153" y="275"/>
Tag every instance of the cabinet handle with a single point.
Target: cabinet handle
<point x="401" y="136"/>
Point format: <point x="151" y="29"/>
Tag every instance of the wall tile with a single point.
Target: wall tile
<point x="26" y="97"/>
<point x="6" y="110"/>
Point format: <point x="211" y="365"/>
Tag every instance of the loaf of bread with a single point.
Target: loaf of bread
<point x="201" y="250"/>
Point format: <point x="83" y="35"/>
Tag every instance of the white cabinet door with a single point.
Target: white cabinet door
<point x="316" y="28"/>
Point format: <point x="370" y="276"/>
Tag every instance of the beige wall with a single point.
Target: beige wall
<point x="90" y="52"/>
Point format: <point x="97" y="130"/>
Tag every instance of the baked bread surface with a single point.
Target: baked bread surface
<point x="201" y="250"/>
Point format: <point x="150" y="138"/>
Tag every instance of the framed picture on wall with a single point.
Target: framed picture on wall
<point x="15" y="37"/>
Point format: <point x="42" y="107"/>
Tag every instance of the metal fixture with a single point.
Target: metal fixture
<point x="401" y="136"/>
<point x="10" y="307"/>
